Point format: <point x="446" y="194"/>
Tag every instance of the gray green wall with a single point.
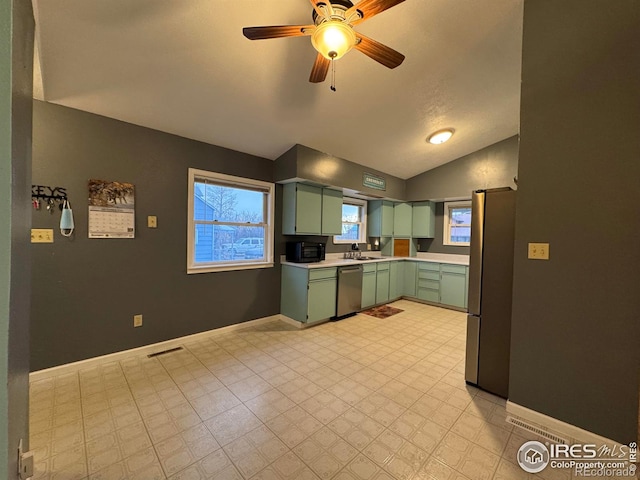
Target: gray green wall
<point x="575" y="334"/>
<point x="85" y="292"/>
<point x="16" y="63"/>
<point x="491" y="167"/>
<point x="326" y="169"/>
<point x="435" y="245"/>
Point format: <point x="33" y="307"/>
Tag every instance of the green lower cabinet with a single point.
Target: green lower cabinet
<point x="368" y="286"/>
<point x="308" y="295"/>
<point x="440" y="283"/>
<point x="382" y="283"/>
<point x="322" y="299"/>
<point x="409" y="284"/>
<point x="452" y="289"/>
<point x="396" y="280"/>
<point x="429" y="295"/>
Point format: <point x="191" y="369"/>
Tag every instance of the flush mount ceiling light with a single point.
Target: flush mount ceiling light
<point x="440" y="136"/>
<point x="332" y="33"/>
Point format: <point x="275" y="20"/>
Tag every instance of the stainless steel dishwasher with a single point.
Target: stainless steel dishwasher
<point x="349" y="299"/>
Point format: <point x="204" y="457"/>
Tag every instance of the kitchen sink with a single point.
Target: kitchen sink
<point x="367" y="258"/>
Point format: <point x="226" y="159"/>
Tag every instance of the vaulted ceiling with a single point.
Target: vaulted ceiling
<point x="184" y="67"/>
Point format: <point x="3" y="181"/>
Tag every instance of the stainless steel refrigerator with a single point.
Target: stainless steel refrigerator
<point x="490" y="286"/>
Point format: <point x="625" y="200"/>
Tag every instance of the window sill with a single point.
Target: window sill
<point x="229" y="267"/>
<point x="456" y="244"/>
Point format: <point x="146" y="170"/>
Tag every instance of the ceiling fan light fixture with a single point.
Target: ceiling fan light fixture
<point x="440" y="136"/>
<point x="333" y="38"/>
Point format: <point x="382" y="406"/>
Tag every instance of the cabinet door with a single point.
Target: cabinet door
<point x="380" y="218"/>
<point x="331" y="212"/>
<point x="368" y="289"/>
<point x="322" y="299"/>
<point x="393" y="280"/>
<point x="387" y="219"/>
<point x="382" y="283"/>
<point x="402" y="220"/>
<point x="410" y="269"/>
<point x="308" y="209"/>
<point x="452" y="289"/>
<point x="424" y="220"/>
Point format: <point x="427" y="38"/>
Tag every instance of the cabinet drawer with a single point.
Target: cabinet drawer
<point x="434" y="267"/>
<point x="429" y="274"/>
<point x="449" y="268"/>
<point x="369" y="267"/>
<point x="382" y="266"/>
<point x="320" y="273"/>
<point x="428" y="295"/>
<point x="430" y="284"/>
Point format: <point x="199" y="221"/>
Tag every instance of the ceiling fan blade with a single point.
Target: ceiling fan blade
<point x="320" y="69"/>
<point x="377" y="51"/>
<point x="261" y="33"/>
<point x="319" y="11"/>
<point x="370" y="8"/>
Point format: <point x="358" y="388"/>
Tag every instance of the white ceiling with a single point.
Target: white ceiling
<point x="184" y="67"/>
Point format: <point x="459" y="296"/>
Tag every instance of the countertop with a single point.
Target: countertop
<point x="337" y="260"/>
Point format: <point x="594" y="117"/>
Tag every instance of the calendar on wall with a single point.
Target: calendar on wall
<point x="111" y="209"/>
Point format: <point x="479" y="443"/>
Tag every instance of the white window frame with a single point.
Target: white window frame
<point x="235" y="182"/>
<point x="446" y="230"/>
<point x="363" y="221"/>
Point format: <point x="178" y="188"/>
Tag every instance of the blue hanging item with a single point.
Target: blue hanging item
<point x="66" y="220"/>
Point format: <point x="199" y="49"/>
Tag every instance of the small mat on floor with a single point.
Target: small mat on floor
<point x="383" y="311"/>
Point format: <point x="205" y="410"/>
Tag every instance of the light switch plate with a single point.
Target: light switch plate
<point x="41" y="235"/>
<point x="539" y="251"/>
<point x="152" y="221"/>
<point x="137" y="320"/>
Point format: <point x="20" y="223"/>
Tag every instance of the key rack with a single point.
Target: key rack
<point x="48" y="195"/>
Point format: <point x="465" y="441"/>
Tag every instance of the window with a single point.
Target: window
<point x="457" y="223"/>
<point x="354" y="222"/>
<point x="230" y="223"/>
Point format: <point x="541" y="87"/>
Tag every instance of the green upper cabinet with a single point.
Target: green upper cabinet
<point x="380" y="218"/>
<point x="311" y="210"/>
<point x="331" y="212"/>
<point x="402" y="218"/>
<point x="424" y="220"/>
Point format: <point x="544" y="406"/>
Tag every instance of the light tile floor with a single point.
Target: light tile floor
<point x="363" y="398"/>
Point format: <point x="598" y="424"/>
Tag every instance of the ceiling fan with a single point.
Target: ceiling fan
<point x="332" y="33"/>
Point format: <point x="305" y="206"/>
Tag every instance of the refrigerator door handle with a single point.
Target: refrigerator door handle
<point x="475" y="253"/>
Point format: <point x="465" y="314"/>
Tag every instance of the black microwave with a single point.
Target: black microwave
<point x="304" y="252"/>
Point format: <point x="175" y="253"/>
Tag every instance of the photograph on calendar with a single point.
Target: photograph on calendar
<point x="111" y="209"/>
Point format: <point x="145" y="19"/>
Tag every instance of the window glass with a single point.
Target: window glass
<point x="354" y="214"/>
<point x="457" y="223"/>
<point x="230" y="223"/>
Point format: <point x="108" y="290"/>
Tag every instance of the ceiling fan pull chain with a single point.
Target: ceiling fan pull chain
<point x="333" y="75"/>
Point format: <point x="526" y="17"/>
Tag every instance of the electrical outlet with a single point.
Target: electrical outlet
<point x="538" y="251"/>
<point x="41" y="235"/>
<point x="137" y="320"/>
<point x="152" y="221"/>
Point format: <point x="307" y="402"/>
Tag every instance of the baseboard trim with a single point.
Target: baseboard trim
<point x="554" y="426"/>
<point x="145" y="350"/>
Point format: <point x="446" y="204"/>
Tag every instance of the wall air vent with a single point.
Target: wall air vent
<point x="164" y="352"/>
<point x="536" y="430"/>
